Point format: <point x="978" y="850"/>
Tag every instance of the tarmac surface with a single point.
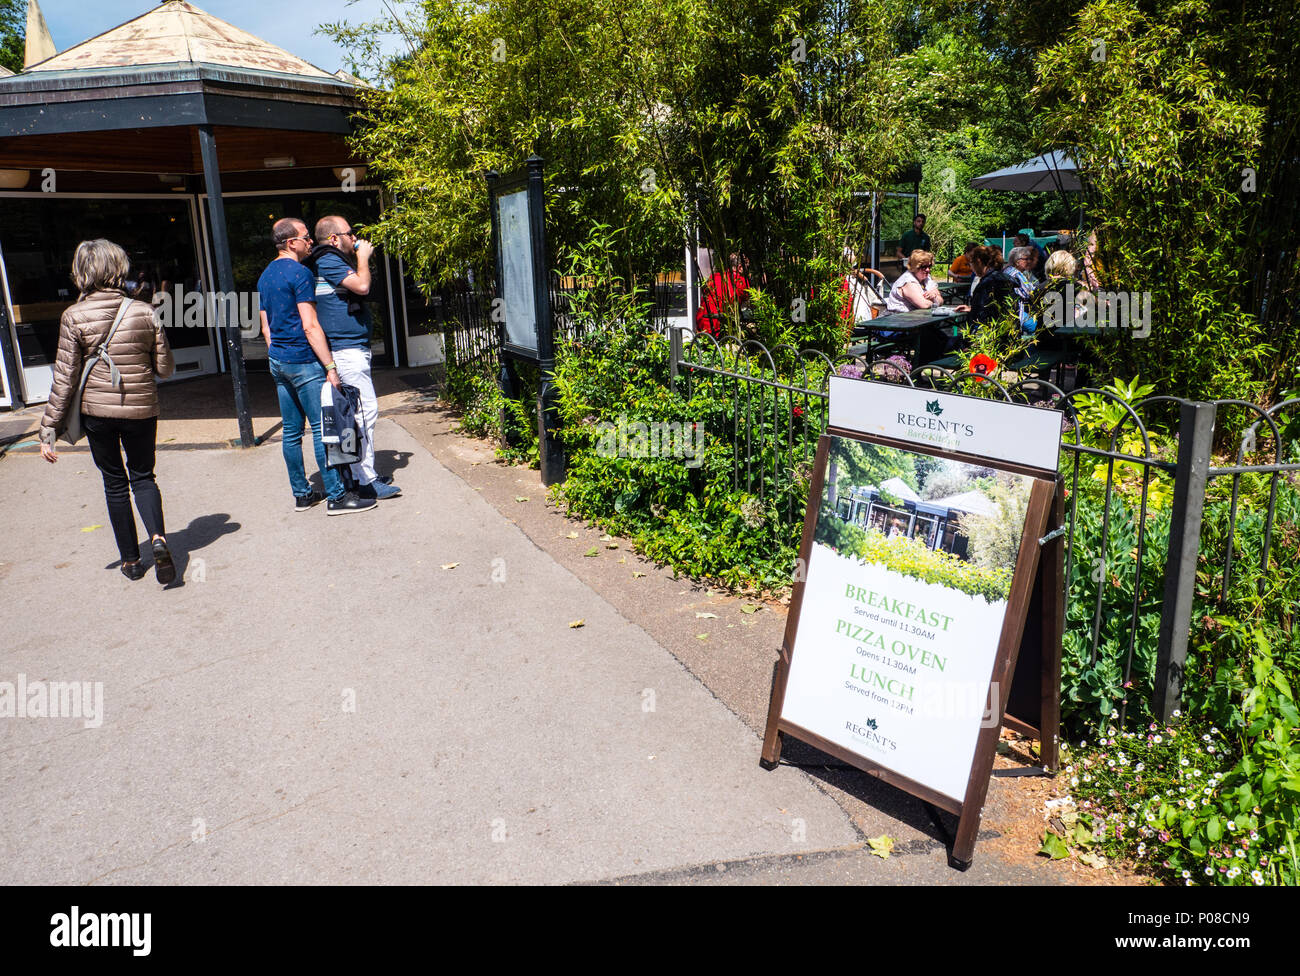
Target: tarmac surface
<point x="399" y="696"/>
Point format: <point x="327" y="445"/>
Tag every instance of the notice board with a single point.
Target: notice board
<point x="920" y="556"/>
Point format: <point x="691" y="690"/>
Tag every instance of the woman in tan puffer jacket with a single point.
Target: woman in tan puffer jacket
<point x="118" y="412"/>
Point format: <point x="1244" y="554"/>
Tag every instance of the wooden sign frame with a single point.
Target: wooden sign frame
<point x="1033" y="572"/>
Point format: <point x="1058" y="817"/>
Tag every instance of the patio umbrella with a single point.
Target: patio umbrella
<point x="1052" y="171"/>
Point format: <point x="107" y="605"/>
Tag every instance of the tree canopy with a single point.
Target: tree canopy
<point x="764" y="123"/>
<point x="13" y="34"/>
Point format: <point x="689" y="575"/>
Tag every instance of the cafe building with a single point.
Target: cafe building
<point x="181" y="138"/>
<point x="895" y="509"/>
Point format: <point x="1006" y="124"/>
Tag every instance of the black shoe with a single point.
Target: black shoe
<point x="304" y="502"/>
<point x="349" y="503"/>
<point x="133" y="571"/>
<point x="163" y="567"/>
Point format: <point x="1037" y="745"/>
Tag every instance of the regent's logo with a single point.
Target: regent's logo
<point x="869" y="733"/>
<point x="932" y="422"/>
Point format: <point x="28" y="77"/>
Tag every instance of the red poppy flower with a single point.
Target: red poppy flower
<point x="983" y="365"/>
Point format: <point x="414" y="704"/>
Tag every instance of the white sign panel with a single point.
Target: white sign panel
<point x="969" y="425"/>
<point x="517" y="270"/>
<point x="903" y="608"/>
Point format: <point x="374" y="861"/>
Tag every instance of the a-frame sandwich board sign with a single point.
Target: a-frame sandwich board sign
<point x="899" y="654"/>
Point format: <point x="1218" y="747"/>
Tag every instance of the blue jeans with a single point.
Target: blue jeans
<point x="298" y="386"/>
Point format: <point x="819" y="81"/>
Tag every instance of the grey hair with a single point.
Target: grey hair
<point x="1020" y="253"/>
<point x="99" y="264"/>
<point x="1061" y="264"/>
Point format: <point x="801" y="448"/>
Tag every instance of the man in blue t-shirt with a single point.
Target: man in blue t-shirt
<point x="342" y="266"/>
<point x="299" y="357"/>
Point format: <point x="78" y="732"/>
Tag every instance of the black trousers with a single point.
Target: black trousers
<point x="109" y="437"/>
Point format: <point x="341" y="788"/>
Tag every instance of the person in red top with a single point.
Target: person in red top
<point x="721" y="292"/>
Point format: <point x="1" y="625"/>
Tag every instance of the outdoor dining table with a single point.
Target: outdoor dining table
<point x="954" y="290"/>
<point x="925" y="330"/>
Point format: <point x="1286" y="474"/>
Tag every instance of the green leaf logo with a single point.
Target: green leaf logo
<point x="932" y="406"/>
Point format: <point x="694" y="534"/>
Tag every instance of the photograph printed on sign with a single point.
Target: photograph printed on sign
<point x="903" y="605"/>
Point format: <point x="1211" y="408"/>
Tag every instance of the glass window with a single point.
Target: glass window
<point x="39" y="237"/>
<point x="249" y="221"/>
<point x="896" y="213"/>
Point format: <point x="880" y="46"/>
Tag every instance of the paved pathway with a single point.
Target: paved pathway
<point x="490" y="742"/>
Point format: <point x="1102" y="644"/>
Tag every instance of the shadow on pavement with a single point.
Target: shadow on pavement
<point x="201" y="532"/>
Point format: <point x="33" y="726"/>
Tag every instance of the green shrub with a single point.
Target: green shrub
<point x="913" y="558"/>
<point x="1193" y="803"/>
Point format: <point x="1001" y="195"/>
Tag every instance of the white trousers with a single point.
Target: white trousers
<point x="354" y="370"/>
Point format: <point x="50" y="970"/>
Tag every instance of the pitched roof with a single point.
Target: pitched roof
<point x="178" y="32"/>
<point x="974" y="502"/>
<point x="900" y="488"/>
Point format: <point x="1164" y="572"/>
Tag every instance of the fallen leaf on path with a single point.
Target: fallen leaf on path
<point x="705" y="616"/>
<point x="575" y="624"/>
<point x="572" y="535"/>
<point x="593" y="551"/>
<point x="750" y="607"/>
<point x="701" y="636"/>
<point x="450" y="565"/>
<point x="521" y="498"/>
<point x="1054" y="847"/>
<point x="91" y="528"/>
<point x="636" y="575"/>
<point x="611" y="545"/>
<point x="881" y="846"/>
<point x="1093" y="860"/>
<point x="606" y="537"/>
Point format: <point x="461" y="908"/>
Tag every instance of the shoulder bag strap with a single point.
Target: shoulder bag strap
<point x="115" y="377"/>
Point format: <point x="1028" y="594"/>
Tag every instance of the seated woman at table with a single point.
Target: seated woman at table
<point x="992" y="290"/>
<point x="915" y="287"/>
<point x="1063" y="268"/>
<point x="1025" y="284"/>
